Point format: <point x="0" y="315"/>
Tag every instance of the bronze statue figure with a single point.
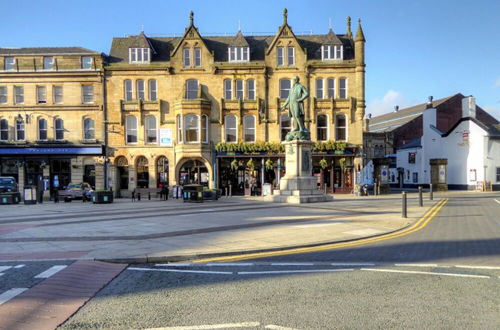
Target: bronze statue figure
<point x="295" y="102"/>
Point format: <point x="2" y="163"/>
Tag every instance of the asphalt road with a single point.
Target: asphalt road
<point x="446" y="275"/>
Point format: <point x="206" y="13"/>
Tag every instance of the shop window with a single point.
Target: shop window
<point x="42" y="129"/>
<point x="191" y="89"/>
<point x="4" y="129"/>
<point x="251" y="89"/>
<point x="131" y="129"/>
<point x="151" y="129"/>
<point x="153" y="93"/>
<point x="286" y="125"/>
<point x="191" y="128"/>
<point x="127" y="86"/>
<point x="340" y="128"/>
<point x="249" y="128"/>
<point x="122" y="172"/>
<point x="285" y="85"/>
<point x="59" y="128"/>
<point x="230" y="124"/>
<point x="162" y="170"/>
<point x="88" y="129"/>
<point x="322" y="127"/>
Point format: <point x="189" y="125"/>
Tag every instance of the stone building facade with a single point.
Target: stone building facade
<point x="52" y="115"/>
<point x="207" y="109"/>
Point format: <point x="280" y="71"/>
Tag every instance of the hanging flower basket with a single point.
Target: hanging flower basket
<point x="323" y="163"/>
<point x="269" y="165"/>
<point x="251" y="164"/>
<point x="234" y="165"/>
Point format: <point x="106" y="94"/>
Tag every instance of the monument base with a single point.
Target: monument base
<point x="298" y="185"/>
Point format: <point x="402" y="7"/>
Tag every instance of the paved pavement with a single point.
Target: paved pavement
<point x="153" y="231"/>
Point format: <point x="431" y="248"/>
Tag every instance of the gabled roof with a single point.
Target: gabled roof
<point x="331" y="39"/>
<point x="493" y="130"/>
<point x="190" y="30"/>
<point x="415" y="143"/>
<point x="141" y="41"/>
<point x="239" y="41"/>
<point x="47" y="51"/>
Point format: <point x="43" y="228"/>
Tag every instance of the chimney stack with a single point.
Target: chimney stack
<point x="429" y="102"/>
<point x="469" y="107"/>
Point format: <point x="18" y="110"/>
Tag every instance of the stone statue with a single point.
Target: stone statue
<point x="295" y="102"/>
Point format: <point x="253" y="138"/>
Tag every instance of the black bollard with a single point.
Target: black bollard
<point x="420" y="197"/>
<point x="138" y="196"/>
<point x="403" y="212"/>
<point x="231" y="191"/>
<point x="431" y="196"/>
<point x="149" y="195"/>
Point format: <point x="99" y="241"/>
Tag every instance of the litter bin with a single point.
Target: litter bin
<point x="193" y="193"/>
<point x="29" y="194"/>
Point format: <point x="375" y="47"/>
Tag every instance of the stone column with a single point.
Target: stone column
<point x="132" y="180"/>
<point x="152" y="174"/>
<point x="99" y="176"/>
<point x="76" y="169"/>
<point x="20" y="175"/>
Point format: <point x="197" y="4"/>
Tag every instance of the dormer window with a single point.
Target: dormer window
<point x="332" y="52"/>
<point x="239" y="54"/>
<point x="139" y="55"/>
<point x="48" y="63"/>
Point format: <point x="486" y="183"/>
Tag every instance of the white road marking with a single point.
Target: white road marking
<point x="496" y="200"/>
<point x="422" y="273"/>
<point x="174" y="265"/>
<point x="277" y="327"/>
<point x="477" y="267"/>
<point x="237" y="264"/>
<point x="364" y="232"/>
<point x="316" y="225"/>
<point x="416" y="265"/>
<point x="212" y="326"/>
<point x="296" y="271"/>
<point x="19" y="266"/>
<point x="351" y="264"/>
<point x="9" y="294"/>
<point x="4" y="268"/>
<point x="292" y="264"/>
<point x="51" y="271"/>
<point x="178" y="271"/>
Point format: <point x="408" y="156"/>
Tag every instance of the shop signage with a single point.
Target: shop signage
<point x="166" y="137"/>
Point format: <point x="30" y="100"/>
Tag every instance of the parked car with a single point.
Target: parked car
<point x="76" y="191"/>
<point x="8" y="184"/>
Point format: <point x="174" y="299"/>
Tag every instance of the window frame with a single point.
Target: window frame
<point x="338" y="128"/>
<point x="148" y="129"/>
<point x="58" y="130"/>
<point x="44" y="129"/>
<point x="55" y="95"/>
<point x="251" y="89"/>
<point x="41" y="94"/>
<point x="188" y="91"/>
<point x="280" y="56"/>
<point x="180" y="128"/>
<point x="87" y="129"/>
<point x="84" y="64"/>
<point x="204" y="128"/>
<point x="330" y="91"/>
<point x="20" y="127"/>
<point x="228" y="89"/>
<point x="197" y="57"/>
<point x="240" y="89"/>
<point x="131" y="131"/>
<point x="284" y="130"/>
<point x="238" y="54"/>
<point x="128" y="90"/>
<point x="4" y="95"/>
<point x="86" y="95"/>
<point x="252" y="130"/>
<point x="4" y="131"/>
<point x="48" y="65"/>
<point x="138" y="55"/>
<point x="152" y="90"/>
<point x="320" y="88"/>
<point x="324" y="129"/>
<point x="290" y="51"/>
<point x="186" y="57"/>
<point x="332" y="52"/>
<point x="195" y="128"/>
<point x="343" y="89"/>
<point x="9" y="66"/>
<point x="228" y="129"/>
<point x="140" y="89"/>
<point x="18" y="97"/>
<point x="284" y="90"/>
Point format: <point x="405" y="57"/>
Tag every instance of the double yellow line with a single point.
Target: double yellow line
<point x="421" y="223"/>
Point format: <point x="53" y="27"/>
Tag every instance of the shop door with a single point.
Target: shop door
<point x="89" y="175"/>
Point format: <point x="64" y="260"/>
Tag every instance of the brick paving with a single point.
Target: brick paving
<point x="54" y="300"/>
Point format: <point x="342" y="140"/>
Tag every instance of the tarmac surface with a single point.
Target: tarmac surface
<point x="154" y="230"/>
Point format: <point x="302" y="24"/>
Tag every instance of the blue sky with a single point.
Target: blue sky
<point x="414" y="48"/>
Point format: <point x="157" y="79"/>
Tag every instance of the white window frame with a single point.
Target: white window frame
<point x="128" y="88"/>
<point x="85" y="65"/>
<point x="41" y="94"/>
<point x="55" y="94"/>
<point x="140" y="89"/>
<point x="332" y="52"/>
<point x="9" y="63"/>
<point x="22" y="125"/>
<point x="327" y="135"/>
<point x="320" y="88"/>
<point x="139" y="55"/>
<point x="240" y="89"/>
<point x="188" y="91"/>
<point x="282" y="90"/>
<point x="344" y="127"/>
<point x="186" y="57"/>
<point x="345" y="89"/>
<point x="3" y="95"/>
<point x="197" y="57"/>
<point x="250" y="89"/>
<point x="280" y="56"/>
<point x="332" y="93"/>
<point x="48" y="63"/>
<point x="18" y="97"/>
<point x="4" y="131"/>
<point x="228" y="89"/>
<point x="148" y="129"/>
<point x="228" y="129"/>
<point x="46" y="131"/>
<point x="180" y="130"/>
<point x="238" y="54"/>
<point x="204" y="128"/>
<point x="198" y="128"/>
<point x="87" y="95"/>
<point x="288" y="128"/>
<point x="152" y="90"/>
<point x="56" y="129"/>
<point x="88" y="129"/>
<point x="251" y="130"/>
<point x="290" y="50"/>
<point x="132" y="130"/>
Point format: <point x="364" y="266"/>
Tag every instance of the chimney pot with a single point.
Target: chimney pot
<point x="396" y="108"/>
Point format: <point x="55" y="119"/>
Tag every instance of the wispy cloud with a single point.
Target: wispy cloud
<point x="386" y="104"/>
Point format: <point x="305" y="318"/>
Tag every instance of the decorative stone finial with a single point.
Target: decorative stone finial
<point x="349" y="33"/>
<point x="191" y="18"/>
<point x="360" y="36"/>
<point x="285" y="16"/>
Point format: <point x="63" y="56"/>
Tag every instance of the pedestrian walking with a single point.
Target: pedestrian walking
<point x="166" y="192"/>
<point x="133" y="195"/>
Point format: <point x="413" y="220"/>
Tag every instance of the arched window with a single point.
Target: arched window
<point x="228" y="89"/>
<point x="88" y="129"/>
<point x="4" y="130"/>
<point x="285" y="85"/>
<point x="231" y="128"/>
<point x="142" y="171"/>
<point x="204" y="128"/>
<point x="249" y="128"/>
<point x="179" y="129"/>
<point x="331" y="88"/>
<point x="322" y="127"/>
<point x="343" y="88"/>
<point x="59" y="128"/>
<point x="153" y="93"/>
<point x="251" y="89"/>
<point x="239" y="89"/>
<point x="140" y="89"/>
<point x="162" y="170"/>
<point x="191" y="128"/>
<point x="20" y="130"/>
<point x="191" y="89"/>
<point x="131" y="129"/>
<point x="286" y="125"/>
<point x="42" y="129"/>
<point x="340" y="128"/>
<point x="151" y="131"/>
<point x="127" y="86"/>
<point x="319" y="88"/>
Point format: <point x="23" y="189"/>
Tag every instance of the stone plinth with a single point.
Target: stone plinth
<point x="298" y="185"/>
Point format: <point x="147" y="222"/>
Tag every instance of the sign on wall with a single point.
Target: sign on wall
<point x="166" y="137"/>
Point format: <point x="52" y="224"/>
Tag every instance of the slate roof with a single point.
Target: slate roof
<point x="239" y="41"/>
<point x="219" y="45"/>
<point x="46" y="51"/>
<point x="415" y="143"/>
